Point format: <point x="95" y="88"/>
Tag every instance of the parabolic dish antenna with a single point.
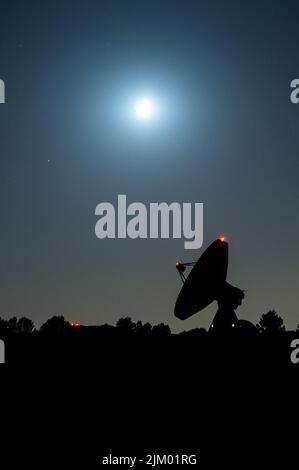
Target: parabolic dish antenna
<point x="204" y="281"/>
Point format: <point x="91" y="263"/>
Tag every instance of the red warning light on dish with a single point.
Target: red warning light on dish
<point x="222" y="239"/>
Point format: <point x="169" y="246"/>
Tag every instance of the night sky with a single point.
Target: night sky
<point x="227" y="137"/>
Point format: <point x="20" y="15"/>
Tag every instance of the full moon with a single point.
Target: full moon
<point x="144" y="108"/>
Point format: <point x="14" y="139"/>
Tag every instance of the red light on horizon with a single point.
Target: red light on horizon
<point x="222" y="239"/>
<point x="75" y="324"/>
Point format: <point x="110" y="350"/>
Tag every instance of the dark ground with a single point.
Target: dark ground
<point x="69" y="399"/>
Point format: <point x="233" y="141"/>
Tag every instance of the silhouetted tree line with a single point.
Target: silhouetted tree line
<point x="270" y="322"/>
<point x="57" y="325"/>
<point x="128" y="326"/>
<point x="18" y="326"/>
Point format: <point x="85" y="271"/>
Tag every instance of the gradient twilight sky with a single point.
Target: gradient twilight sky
<point x="227" y="137"/>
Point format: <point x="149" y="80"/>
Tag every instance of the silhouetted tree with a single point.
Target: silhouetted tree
<point x="126" y="325"/>
<point x="270" y="322"/>
<point x="25" y="325"/>
<point x="161" y="330"/>
<point x="3" y="326"/>
<point x="12" y="325"/>
<point x="55" y="324"/>
<point x="143" y="329"/>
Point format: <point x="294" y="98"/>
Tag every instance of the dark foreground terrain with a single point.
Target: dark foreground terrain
<point x="72" y="399"/>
